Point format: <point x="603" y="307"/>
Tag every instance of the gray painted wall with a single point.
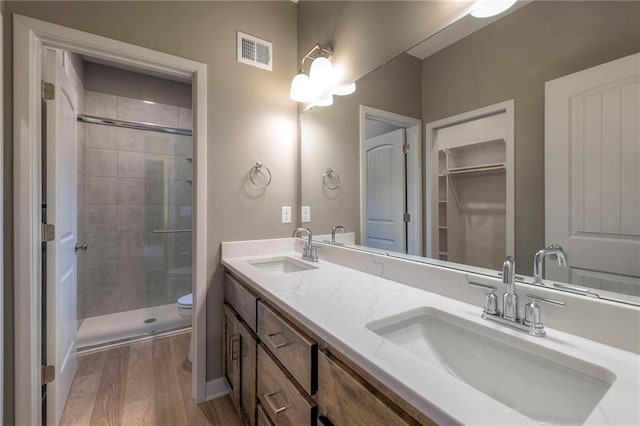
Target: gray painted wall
<point x="250" y="116"/>
<point x="331" y="138"/>
<point x="366" y="34"/>
<point x="119" y="82"/>
<point x="511" y="59"/>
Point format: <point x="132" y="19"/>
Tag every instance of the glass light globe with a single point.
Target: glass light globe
<point x="489" y="8"/>
<point x="301" y="90"/>
<point x="321" y="72"/>
<point x="323" y="102"/>
<point x="345" y="89"/>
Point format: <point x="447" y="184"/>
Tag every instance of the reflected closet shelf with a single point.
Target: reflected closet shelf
<point x="484" y="168"/>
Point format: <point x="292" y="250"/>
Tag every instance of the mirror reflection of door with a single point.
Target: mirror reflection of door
<point x="592" y="177"/>
<point x="386" y="191"/>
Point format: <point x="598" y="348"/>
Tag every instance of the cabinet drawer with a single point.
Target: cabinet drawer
<point x="294" y="350"/>
<point x="241" y="299"/>
<point x="263" y="419"/>
<point x="280" y="398"/>
<point x="344" y="400"/>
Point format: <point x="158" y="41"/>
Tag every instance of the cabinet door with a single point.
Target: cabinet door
<point x="344" y="400"/>
<point x="248" y="347"/>
<point x="232" y="354"/>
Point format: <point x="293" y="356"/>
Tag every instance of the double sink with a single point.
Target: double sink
<point x="540" y="383"/>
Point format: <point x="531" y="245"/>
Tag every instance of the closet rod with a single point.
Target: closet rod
<point x="478" y="169"/>
<point x="132" y="125"/>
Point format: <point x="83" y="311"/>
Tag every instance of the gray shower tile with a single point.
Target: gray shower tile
<point x="82" y="159"/>
<point x="100" y="190"/>
<point x="185" y="118"/>
<point x="131" y="244"/>
<point x="100" y="104"/>
<point x="131" y="164"/>
<point x="157" y="143"/>
<point x="155" y="191"/>
<point x="153" y="113"/>
<point x="131" y="217"/>
<point x="130" y="191"/>
<point x="102" y="246"/>
<point x="101" y="301"/>
<point x="101" y="162"/>
<point x="81" y="189"/>
<point x="182" y="145"/>
<point x="180" y="192"/>
<point x="102" y="274"/>
<point x="155" y="217"/>
<point x="101" y="218"/>
<point x="109" y="137"/>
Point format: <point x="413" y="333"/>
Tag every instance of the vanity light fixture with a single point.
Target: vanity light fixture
<point x="488" y="8"/>
<point x="322" y="83"/>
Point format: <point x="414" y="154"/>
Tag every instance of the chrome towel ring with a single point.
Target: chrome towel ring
<point x="260" y="168"/>
<point x="333" y="179"/>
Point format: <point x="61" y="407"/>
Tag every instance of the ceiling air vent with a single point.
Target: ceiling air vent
<point x="254" y="51"/>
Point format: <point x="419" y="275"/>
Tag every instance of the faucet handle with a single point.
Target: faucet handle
<point x="532" y="315"/>
<point x="490" y="300"/>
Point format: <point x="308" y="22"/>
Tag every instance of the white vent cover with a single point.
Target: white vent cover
<point x="254" y="51"/>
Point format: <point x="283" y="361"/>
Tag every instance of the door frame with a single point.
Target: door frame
<point x="29" y="35"/>
<point x="431" y="169"/>
<point x="413" y="126"/>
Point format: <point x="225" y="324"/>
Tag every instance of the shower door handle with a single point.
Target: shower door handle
<point x="83" y="247"/>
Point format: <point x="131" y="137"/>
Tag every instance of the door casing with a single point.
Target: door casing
<point x="29" y="36"/>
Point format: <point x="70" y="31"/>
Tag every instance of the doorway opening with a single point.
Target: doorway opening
<point x="390" y="181"/>
<point x="111" y="185"/>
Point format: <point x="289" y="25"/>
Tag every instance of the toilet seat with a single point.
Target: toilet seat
<point x="186" y="301"/>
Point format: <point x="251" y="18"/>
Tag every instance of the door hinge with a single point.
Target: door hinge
<point x="48" y="232"/>
<point x="406" y="217"/>
<point x="405" y="148"/>
<point x="48" y="374"/>
<point x="47" y="91"/>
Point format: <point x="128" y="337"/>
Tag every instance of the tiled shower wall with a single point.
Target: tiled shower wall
<point x="134" y="181"/>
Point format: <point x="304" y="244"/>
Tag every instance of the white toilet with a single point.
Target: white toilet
<point x="185" y="311"/>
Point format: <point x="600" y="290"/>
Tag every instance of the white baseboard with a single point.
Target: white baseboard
<point x="217" y="388"/>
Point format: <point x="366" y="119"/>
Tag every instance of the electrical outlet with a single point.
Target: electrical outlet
<point x="306" y="214"/>
<point x="286" y="214"/>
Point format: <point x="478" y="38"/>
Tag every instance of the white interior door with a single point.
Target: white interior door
<point x="385" y="185"/>
<point x="61" y="194"/>
<point x="592" y="175"/>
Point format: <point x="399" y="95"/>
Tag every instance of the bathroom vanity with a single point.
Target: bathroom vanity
<point x="363" y="338"/>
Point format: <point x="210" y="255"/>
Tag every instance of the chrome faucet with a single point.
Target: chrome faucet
<point x="509" y="298"/>
<point x="309" y="253"/>
<point x="333" y="233"/>
<point x="532" y="321"/>
<point x="538" y="260"/>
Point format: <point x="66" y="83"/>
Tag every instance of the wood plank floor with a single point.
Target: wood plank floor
<point x="141" y="384"/>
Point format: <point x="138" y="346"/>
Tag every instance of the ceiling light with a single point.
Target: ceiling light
<point x="323" y="102"/>
<point x="489" y="8"/>
<point x="345" y="89"/>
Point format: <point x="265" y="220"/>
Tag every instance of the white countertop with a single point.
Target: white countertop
<point x="336" y="302"/>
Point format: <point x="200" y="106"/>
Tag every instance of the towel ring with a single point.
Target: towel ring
<point x="330" y="174"/>
<point x="260" y="168"/>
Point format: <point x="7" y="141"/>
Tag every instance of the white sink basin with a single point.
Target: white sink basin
<point x="540" y="383"/>
<point x="280" y="265"/>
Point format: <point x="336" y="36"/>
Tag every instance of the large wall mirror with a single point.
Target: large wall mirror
<point x="493" y="139"/>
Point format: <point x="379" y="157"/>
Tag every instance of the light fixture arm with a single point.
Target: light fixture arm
<point x="319" y="51"/>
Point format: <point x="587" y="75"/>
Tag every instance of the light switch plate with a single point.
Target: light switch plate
<point x="306" y="214"/>
<point x="286" y="214"/>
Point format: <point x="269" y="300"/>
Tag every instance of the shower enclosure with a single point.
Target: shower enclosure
<point x="135" y="216"/>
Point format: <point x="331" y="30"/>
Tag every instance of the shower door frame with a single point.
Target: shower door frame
<point x="29" y="36"/>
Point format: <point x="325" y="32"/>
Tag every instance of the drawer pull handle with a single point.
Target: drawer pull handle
<point x="235" y="354"/>
<point x="267" y="397"/>
<point x="274" y="344"/>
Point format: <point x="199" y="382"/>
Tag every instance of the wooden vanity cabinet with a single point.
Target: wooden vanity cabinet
<point x="231" y="354"/>
<point x="275" y="373"/>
